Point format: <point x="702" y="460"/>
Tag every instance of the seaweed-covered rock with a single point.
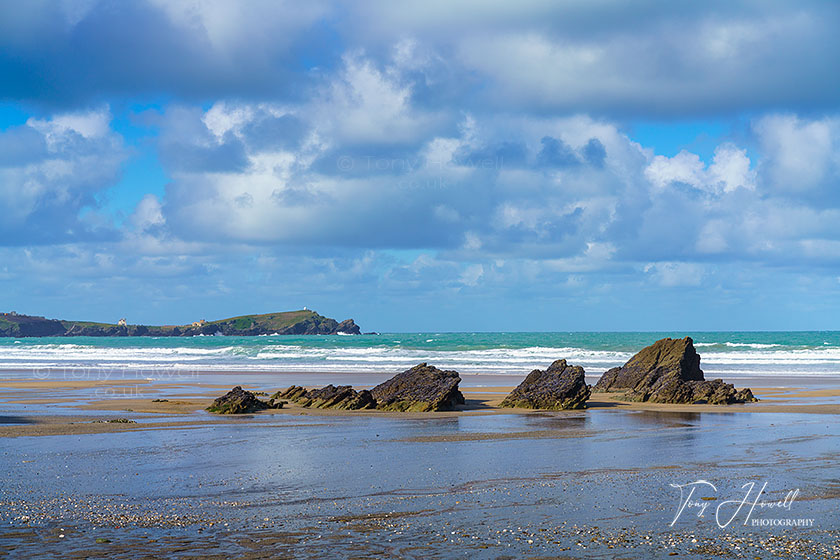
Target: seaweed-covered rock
<point x="664" y="358"/>
<point x="419" y="389"/>
<point x="343" y="397"/>
<point x="668" y="371"/>
<point x="559" y="387"/>
<point x="238" y="401"/>
<point x="744" y="396"/>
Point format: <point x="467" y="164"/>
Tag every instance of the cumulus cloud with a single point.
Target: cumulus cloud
<point x="676" y="274"/>
<point x="436" y="148"/>
<point x="656" y="59"/>
<point x="801" y="156"/>
<point x="730" y="169"/>
<point x="51" y="173"/>
<point x="476" y="187"/>
<point x="193" y="49"/>
<point x="514" y="184"/>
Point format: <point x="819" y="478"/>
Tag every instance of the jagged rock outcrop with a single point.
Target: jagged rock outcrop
<point x="348" y="326"/>
<point x="419" y="389"/>
<point x="560" y="387"/>
<point x="239" y="401"/>
<point x="343" y="397"/>
<point x="668" y="371"/>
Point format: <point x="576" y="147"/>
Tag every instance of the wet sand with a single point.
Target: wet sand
<point x="480" y="482"/>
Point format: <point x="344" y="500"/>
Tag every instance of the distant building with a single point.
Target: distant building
<point x="200" y="323"/>
<point x="122" y="323"/>
<point x="305" y="308"/>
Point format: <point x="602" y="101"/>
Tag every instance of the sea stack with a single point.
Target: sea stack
<point x="560" y="387"/>
<point x="668" y="371"/>
<point x="420" y="389"/>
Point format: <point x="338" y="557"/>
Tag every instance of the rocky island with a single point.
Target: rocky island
<point x="300" y="322"/>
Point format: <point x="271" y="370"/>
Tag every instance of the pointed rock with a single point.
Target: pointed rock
<point x="559" y="387"/>
<point x="668" y="371"/>
<point x="419" y="389"/>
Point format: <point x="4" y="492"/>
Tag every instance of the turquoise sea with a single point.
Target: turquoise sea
<point x="730" y="354"/>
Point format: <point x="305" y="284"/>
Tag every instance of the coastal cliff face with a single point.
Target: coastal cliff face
<point x="302" y="322"/>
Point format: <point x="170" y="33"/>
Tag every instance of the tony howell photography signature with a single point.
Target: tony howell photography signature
<point x="746" y="502"/>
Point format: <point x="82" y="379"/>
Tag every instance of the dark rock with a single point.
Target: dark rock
<point x="559" y="387"/>
<point x="237" y="401"/>
<point x="745" y="395"/>
<point x="343" y="397"/>
<point x="419" y="389"/>
<point x="348" y="327"/>
<point x="666" y="357"/>
<point x="668" y="371"/>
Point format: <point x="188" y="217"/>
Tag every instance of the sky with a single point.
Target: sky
<point x="423" y="165"/>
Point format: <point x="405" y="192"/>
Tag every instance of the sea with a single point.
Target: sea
<point x="813" y="354"/>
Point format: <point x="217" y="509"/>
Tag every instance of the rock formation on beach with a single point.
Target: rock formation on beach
<point x="668" y="371"/>
<point x="343" y="397"/>
<point x="239" y="401"/>
<point x="559" y="387"/>
<point x="419" y="389"/>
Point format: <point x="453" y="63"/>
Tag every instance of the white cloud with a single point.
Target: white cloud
<point x="799" y="155"/>
<point x="148" y="213"/>
<point x="676" y="274"/>
<point x="730" y="169"/>
<point x="472" y="274"/>
<point x="367" y="105"/>
<point x="684" y="167"/>
<point x="230" y="26"/>
<point x="53" y="169"/>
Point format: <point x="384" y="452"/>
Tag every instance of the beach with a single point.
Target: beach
<point x="135" y="468"/>
<point x="419" y="280"/>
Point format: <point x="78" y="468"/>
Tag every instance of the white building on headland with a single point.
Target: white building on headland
<point x="122" y="323"/>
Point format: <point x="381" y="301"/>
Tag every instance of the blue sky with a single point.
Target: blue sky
<point x="423" y="165"/>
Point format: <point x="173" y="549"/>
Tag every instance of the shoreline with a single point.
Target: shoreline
<point x="482" y="379"/>
<point x="62" y="407"/>
<point x="482" y="480"/>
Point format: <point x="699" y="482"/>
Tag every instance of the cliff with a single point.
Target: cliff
<point x="284" y="323"/>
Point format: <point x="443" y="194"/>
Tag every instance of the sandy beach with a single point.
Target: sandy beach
<point x="139" y="463"/>
<point x="121" y="396"/>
